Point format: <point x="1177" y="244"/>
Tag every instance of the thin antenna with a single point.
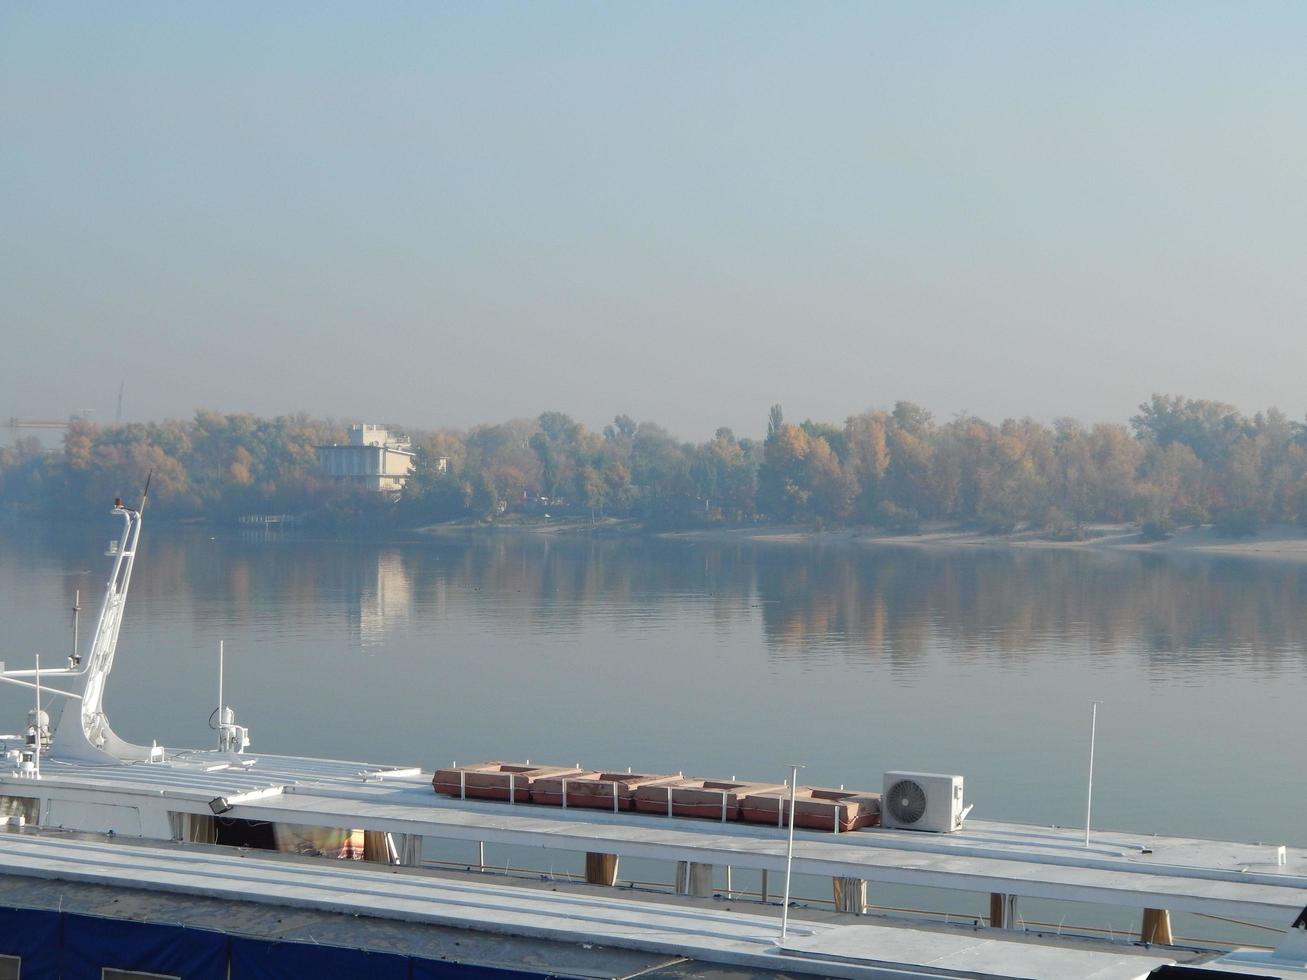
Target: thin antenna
<point x="77" y="609"/>
<point x="220" y="657"/>
<point x="789" y="852"/>
<point x="1089" y="795"/>
<point x="37" y="719"/>
<point x="118" y="415"/>
<point x="146" y="492"/>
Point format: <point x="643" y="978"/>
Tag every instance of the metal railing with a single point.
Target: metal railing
<point x="945" y="916"/>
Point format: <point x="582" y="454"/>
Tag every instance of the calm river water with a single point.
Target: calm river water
<point x="716" y="660"/>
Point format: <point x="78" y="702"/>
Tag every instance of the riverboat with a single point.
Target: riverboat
<point x="120" y="860"/>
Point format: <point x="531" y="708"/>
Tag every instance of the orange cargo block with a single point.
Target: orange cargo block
<point x="713" y="799"/>
<point x="815" y="808"/>
<point x="495" y="780"/>
<point x="595" y="789"/>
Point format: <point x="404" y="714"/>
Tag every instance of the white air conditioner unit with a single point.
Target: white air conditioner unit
<point x="922" y="801"/>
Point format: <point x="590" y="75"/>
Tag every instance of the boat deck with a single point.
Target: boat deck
<point x="704" y="932"/>
<point x="1244" y="881"/>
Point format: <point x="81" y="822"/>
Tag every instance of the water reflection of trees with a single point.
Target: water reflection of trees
<point x="527" y="582"/>
<point x="896" y="604"/>
<point x="557" y="585"/>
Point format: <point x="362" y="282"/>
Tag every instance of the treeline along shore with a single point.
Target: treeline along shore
<point x="1179" y="462"/>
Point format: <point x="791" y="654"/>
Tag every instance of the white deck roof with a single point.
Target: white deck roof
<point x="710" y="934"/>
<point x="1129" y="870"/>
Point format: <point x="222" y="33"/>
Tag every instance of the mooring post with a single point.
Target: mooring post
<point x="600" y="868"/>
<point x="410" y="850"/>
<point x="694" y="879"/>
<point x="850" y="894"/>
<point x="1002" y="911"/>
<point x="1155" y="927"/>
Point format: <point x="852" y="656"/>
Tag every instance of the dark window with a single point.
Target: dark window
<point x="234" y="832"/>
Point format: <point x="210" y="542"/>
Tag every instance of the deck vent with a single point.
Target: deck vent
<point x="922" y="801"/>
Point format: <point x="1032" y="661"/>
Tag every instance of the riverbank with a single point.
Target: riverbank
<point x="1278" y="542"/>
<point x="556" y="526"/>
<point x="1284" y="542"/>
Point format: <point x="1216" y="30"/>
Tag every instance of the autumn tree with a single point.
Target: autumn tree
<point x="868" y="459"/>
<point x="506" y="469"/>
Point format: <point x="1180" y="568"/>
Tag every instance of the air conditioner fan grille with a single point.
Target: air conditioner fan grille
<point x="906" y="801"/>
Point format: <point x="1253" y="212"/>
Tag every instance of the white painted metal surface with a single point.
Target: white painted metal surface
<point x="789" y="854"/>
<point x="713" y="935"/>
<point x="1133" y="871"/>
<point x="963" y="954"/>
<point x="84" y="732"/>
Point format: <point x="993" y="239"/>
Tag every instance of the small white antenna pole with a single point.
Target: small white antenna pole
<point x="789" y="853"/>
<point x="77" y="609"/>
<point x="1089" y="796"/>
<point x="37" y="753"/>
<point x="220" y="653"/>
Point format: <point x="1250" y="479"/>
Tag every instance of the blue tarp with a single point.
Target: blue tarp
<point x="90" y="944"/>
<point x="444" y="970"/>
<point x="78" y="947"/>
<point x="256" y="959"/>
<point x="33" y="935"/>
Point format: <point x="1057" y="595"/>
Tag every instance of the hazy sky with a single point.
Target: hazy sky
<point x="443" y="214"/>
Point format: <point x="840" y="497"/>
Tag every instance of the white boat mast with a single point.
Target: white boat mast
<point x="84" y="731"/>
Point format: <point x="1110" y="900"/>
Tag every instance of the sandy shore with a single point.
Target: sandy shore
<point x="1279" y="542"/>
<point x="608" y="526"/>
<point x="1285" y="542"/>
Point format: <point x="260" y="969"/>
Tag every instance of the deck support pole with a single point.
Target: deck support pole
<point x="764" y="887"/>
<point x="410" y="849"/>
<point x="694" y="879"/>
<point x="850" y="895"/>
<point x="1002" y="911"/>
<point x="1155" y="927"/>
<point x="600" y="869"/>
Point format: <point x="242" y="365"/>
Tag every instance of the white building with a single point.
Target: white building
<point x="372" y="457"/>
